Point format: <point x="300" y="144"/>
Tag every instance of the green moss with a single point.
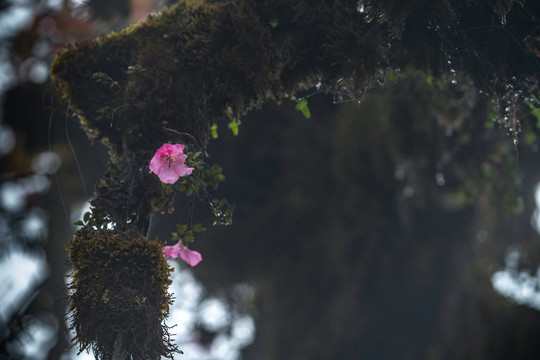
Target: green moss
<point x="119" y="293"/>
<point x="198" y="59"/>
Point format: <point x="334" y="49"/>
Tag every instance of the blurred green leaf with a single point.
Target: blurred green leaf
<point x="233" y="125"/>
<point x="198" y="228"/>
<point x="213" y="131"/>
<point x="273" y="22"/>
<point x="392" y="76"/>
<point x="303" y="107"/>
<point x="534" y="105"/>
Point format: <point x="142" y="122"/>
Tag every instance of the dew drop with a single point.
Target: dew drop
<point x="360" y="8"/>
<point x="368" y="18"/>
<point x="439" y="178"/>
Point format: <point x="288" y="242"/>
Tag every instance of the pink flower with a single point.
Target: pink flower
<point x="168" y="163"/>
<point x="190" y="256"/>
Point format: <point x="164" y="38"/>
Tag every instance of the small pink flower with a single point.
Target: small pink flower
<point x="168" y="163"/>
<point x="190" y="256"/>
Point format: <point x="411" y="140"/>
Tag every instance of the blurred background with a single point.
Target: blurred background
<point x="404" y="227"/>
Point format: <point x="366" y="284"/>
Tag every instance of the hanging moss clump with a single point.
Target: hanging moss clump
<point x="119" y="296"/>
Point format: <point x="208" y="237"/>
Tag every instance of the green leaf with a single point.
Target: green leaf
<point x="303" y="107"/>
<point x="429" y="80"/>
<point x="234" y="122"/>
<point x="535" y="110"/>
<point x="79" y="223"/>
<point x="188" y="238"/>
<point x="181" y="228"/>
<point x="87" y="216"/>
<point x="530" y="138"/>
<point x="273" y="22"/>
<point x="233" y="125"/>
<point x="213" y="131"/>
<point x="392" y="76"/>
<point x="198" y="228"/>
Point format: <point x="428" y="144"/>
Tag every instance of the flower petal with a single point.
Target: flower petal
<point x="171" y="251"/>
<point x="156" y="164"/>
<point x="168" y="175"/>
<point x="174" y="150"/>
<point x="192" y="257"/>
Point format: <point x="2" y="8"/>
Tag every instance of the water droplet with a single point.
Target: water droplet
<point x="454" y="82"/>
<point x="318" y="85"/>
<point x="368" y="18"/>
<point x="439" y="177"/>
<point x="360" y="8"/>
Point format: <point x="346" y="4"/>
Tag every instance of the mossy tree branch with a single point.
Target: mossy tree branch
<point x="200" y="62"/>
